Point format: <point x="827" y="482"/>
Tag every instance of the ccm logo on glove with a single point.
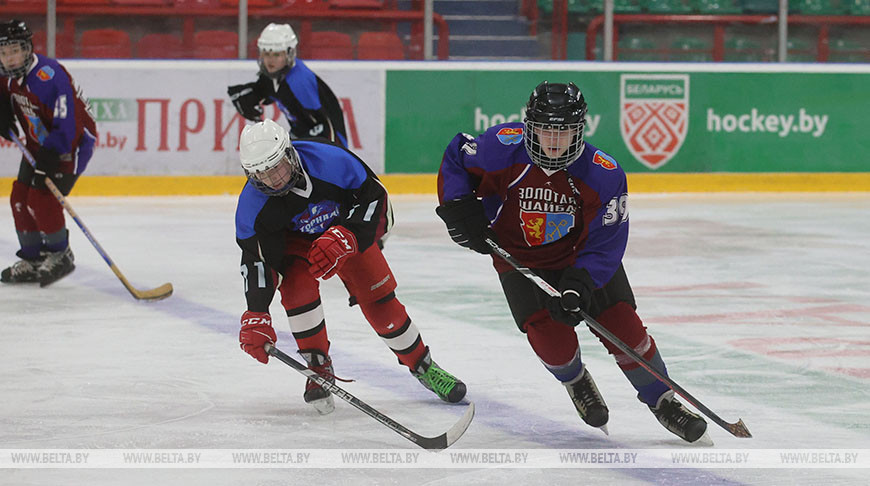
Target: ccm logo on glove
<point x="255" y="333"/>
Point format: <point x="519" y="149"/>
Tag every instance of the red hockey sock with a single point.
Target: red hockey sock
<point x="555" y="343"/>
<point x="626" y="325"/>
<point x="389" y="319"/>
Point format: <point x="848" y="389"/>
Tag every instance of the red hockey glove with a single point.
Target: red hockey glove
<point x="327" y="253"/>
<point x="256" y="331"/>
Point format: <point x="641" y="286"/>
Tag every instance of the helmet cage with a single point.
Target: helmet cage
<point x="553" y="110"/>
<point x="277" y="179"/>
<point x="15" y="32"/>
<point x="550" y="147"/>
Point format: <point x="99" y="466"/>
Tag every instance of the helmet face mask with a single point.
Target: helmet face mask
<point x="270" y="162"/>
<point x="277" y="46"/>
<point x="554" y="123"/>
<point x="16" y="49"/>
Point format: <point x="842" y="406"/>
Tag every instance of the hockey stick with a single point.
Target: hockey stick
<point x="440" y="442"/>
<point x="158" y="293"/>
<point x="737" y="429"/>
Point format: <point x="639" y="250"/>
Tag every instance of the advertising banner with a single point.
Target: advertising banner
<point x="175" y="118"/>
<point x="649" y="121"/>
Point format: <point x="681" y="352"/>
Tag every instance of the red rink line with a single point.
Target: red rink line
<point x="776" y="317"/>
<point x="801" y="348"/>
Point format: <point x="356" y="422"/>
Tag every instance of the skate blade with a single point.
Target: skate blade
<point x="324" y="406"/>
<point x="604" y="429"/>
<point x="703" y="441"/>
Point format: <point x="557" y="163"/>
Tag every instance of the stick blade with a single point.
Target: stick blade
<point x="152" y="295"/>
<point x="448" y="438"/>
<point x="739" y="429"/>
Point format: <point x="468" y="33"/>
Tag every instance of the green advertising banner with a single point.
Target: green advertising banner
<point x="649" y="121"/>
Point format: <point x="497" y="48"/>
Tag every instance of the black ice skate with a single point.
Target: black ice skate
<point x="446" y="386"/>
<point x="676" y="418"/>
<point x="315" y="394"/>
<point x="56" y="265"/>
<point x="22" y="271"/>
<point x="588" y="401"/>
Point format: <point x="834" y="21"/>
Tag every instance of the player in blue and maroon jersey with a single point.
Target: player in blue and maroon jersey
<point x="312" y="210"/>
<point x="60" y="132"/>
<point x="558" y="205"/>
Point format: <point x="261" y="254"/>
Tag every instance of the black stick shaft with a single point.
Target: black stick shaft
<point x="738" y="429"/>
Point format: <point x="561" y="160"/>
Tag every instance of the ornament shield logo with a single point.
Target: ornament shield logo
<point x="654" y="115"/>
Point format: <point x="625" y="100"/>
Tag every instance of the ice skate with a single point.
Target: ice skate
<point x="446" y="386"/>
<point x="22" y="271"/>
<point x="315" y="394"/>
<point x="680" y="421"/>
<point x="588" y="401"/>
<point x="56" y="265"/>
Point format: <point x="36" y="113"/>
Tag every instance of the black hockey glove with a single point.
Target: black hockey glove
<point x="7" y="118"/>
<point x="576" y="287"/>
<point x="466" y="223"/>
<point x="246" y="98"/>
<point x="47" y="160"/>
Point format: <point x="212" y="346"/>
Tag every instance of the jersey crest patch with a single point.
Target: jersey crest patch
<point x="317" y="218"/>
<point x="540" y="228"/>
<point x="604" y="160"/>
<point x="45" y="73"/>
<point x="510" y="136"/>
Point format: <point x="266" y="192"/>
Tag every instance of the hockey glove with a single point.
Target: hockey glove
<point x="255" y="333"/>
<point x="329" y="252"/>
<point x="7" y="119"/>
<point x="576" y="288"/>
<point x="47" y="161"/>
<point x="466" y="223"/>
<point x="247" y="100"/>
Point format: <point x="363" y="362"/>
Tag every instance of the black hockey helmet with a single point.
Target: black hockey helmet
<point x="16" y="32"/>
<point x="555" y="107"/>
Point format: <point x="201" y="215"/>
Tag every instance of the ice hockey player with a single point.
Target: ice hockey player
<point x="312" y="210"/>
<point x="558" y="205"/>
<point x="310" y="106"/>
<point x="60" y="133"/>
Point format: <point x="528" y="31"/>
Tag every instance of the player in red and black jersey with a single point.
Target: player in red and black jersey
<point x="559" y="206"/>
<point x="312" y="210"/>
<point x="60" y="132"/>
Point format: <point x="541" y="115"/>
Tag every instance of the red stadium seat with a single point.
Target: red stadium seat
<point x="160" y="46"/>
<point x="380" y="45"/>
<point x="82" y="2"/>
<point x="105" y="44"/>
<point x="143" y="3"/>
<point x="251" y="3"/>
<point x="64" y="45"/>
<point x="327" y="44"/>
<point x="198" y="3"/>
<point x="215" y="44"/>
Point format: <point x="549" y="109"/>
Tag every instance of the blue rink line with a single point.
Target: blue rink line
<point x="492" y="413"/>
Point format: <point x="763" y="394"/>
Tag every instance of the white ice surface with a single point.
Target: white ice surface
<point x="758" y="303"/>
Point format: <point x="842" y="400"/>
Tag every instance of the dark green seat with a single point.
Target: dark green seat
<point x="714" y="7"/>
<point x="545" y="7"/>
<point x="815" y="7"/>
<point x="666" y="6"/>
<point x="626" y="6"/>
<point x="576" y="47"/>
<point x="801" y="50"/>
<point x="638" y="48"/>
<point x="691" y="49"/>
<point x="742" y="49"/>
<point x="760" y="6"/>
<point x="857" y="7"/>
<point x="844" y="50"/>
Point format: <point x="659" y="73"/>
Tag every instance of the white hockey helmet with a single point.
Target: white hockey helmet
<point x="268" y="158"/>
<point x="278" y="38"/>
